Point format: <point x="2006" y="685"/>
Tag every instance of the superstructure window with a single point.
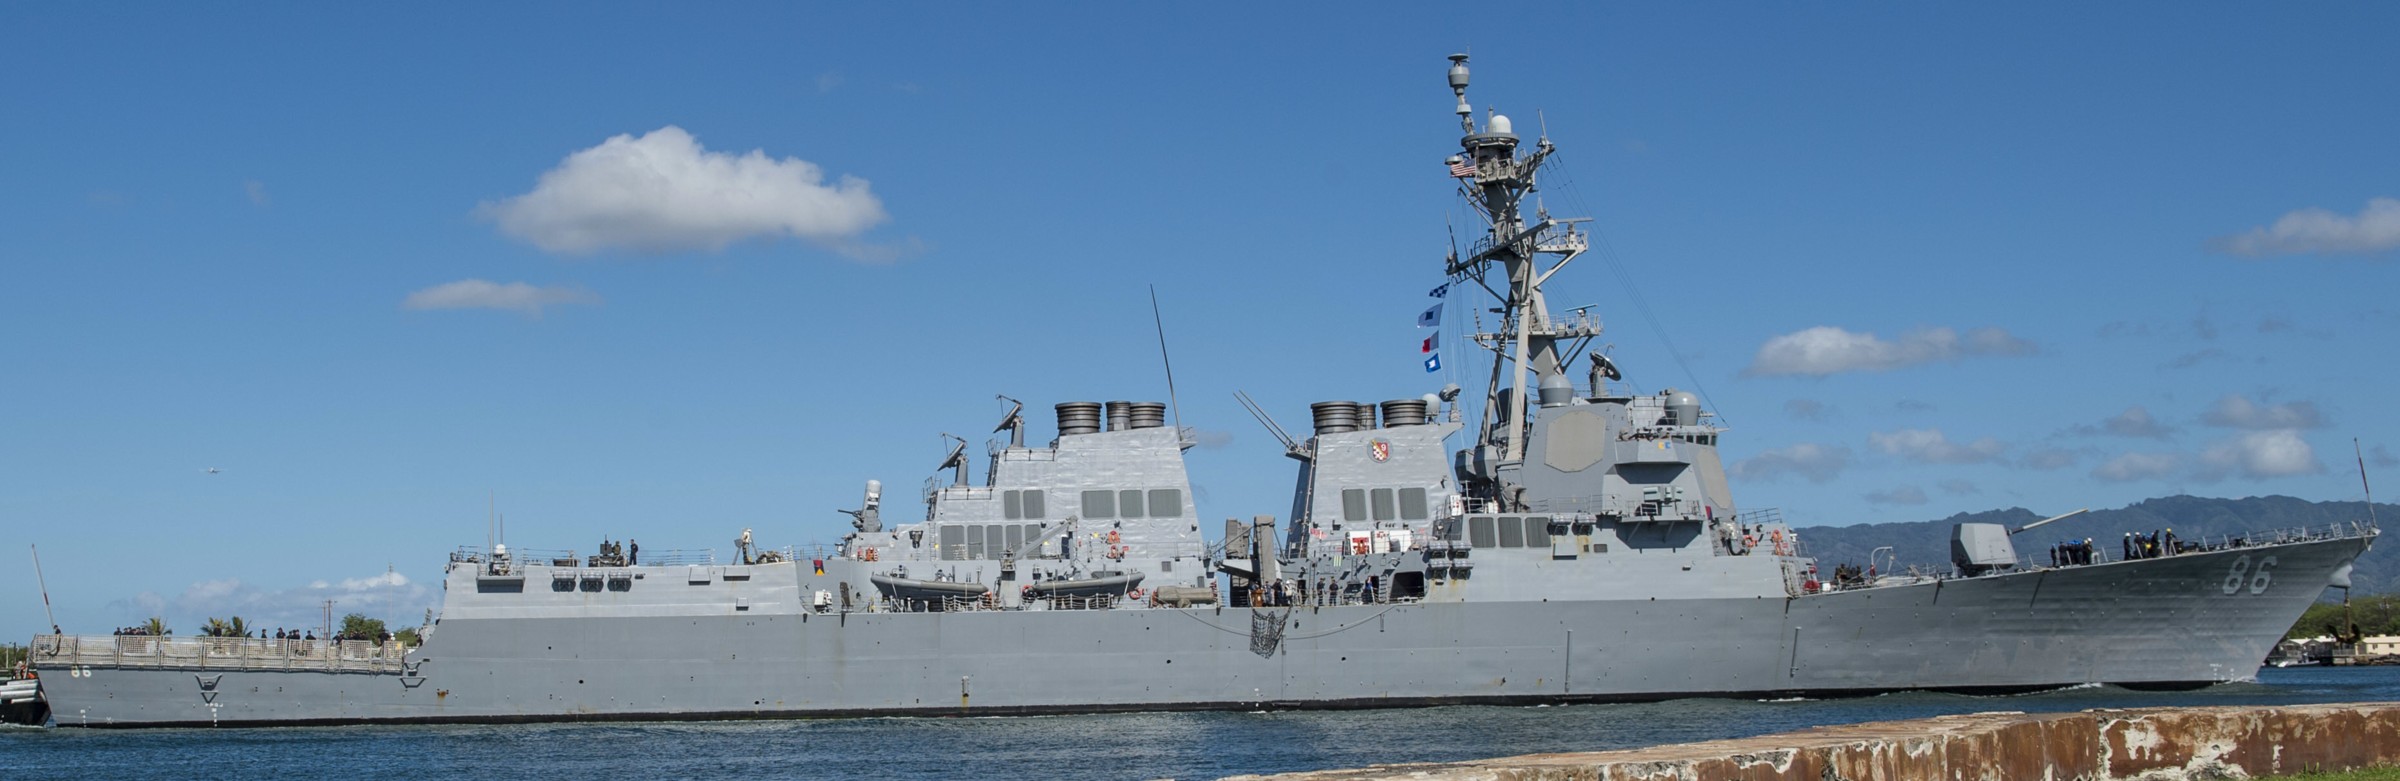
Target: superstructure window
<point x="1015" y="539"/>
<point x="1384" y="510"/>
<point x="954" y="542"/>
<point x="1354" y="504"/>
<point x="993" y="544"/>
<point x="975" y="541"/>
<point x="1129" y="503"/>
<point x="1412" y="504"/>
<point x="1033" y="505"/>
<point x="1479" y="532"/>
<point x="1166" y="503"/>
<point x="1012" y="506"/>
<point x="1537" y="532"/>
<point x="1100" y="504"/>
<point x="1512" y="531"/>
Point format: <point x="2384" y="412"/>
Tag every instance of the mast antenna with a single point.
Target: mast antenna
<point x="45" y="584"/>
<point x="1161" y="323"/>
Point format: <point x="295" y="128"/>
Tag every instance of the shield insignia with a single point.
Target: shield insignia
<point x="1382" y="449"/>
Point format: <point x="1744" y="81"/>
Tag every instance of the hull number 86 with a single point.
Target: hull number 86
<point x="2242" y="576"/>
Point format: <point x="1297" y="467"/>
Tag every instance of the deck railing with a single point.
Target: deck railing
<point x="50" y="652"/>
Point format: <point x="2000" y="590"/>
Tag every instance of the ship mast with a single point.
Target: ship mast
<point x="1496" y="182"/>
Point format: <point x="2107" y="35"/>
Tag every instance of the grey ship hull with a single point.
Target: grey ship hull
<point x="2175" y="621"/>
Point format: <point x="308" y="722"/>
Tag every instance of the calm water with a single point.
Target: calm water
<point x="1164" y="745"/>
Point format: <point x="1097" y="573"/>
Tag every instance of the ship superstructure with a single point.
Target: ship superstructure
<point x="1579" y="544"/>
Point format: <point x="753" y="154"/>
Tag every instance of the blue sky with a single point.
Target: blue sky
<point x="380" y="264"/>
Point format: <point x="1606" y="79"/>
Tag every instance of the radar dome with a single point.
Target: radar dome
<point x="1500" y="124"/>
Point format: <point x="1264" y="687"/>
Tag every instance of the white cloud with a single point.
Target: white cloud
<point x="2236" y="411"/>
<point x="1959" y="487"/>
<point x="1816" y="462"/>
<point x="1806" y="409"/>
<point x="2134" y="422"/>
<point x="2050" y="458"/>
<point x="1907" y="494"/>
<point x="663" y="192"/>
<point x="2260" y="454"/>
<point x="1930" y="445"/>
<point x="1825" y="350"/>
<point x="2317" y="231"/>
<point x="2138" y="466"/>
<point x="483" y="294"/>
<point x="390" y="596"/>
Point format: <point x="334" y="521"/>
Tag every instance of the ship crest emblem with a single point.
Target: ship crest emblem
<point x="1382" y="448"/>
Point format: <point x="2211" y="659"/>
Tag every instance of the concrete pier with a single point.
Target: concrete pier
<point x="2150" y="744"/>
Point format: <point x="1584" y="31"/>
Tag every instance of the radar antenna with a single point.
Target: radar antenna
<point x="956" y="460"/>
<point x="1013" y="422"/>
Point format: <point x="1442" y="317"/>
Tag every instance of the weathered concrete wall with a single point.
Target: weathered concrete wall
<point x="2149" y="744"/>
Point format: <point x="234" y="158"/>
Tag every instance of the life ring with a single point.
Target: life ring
<point x="1116" y="552"/>
<point x="1112" y="537"/>
<point x="1136" y="594"/>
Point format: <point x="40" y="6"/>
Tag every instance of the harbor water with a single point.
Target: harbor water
<point x="1120" y="746"/>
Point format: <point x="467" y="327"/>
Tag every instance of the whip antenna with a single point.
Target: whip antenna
<point x="45" y="583"/>
<point x="2362" y="480"/>
<point x="1161" y="323"/>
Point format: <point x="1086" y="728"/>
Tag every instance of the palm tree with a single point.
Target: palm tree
<point x="156" y="626"/>
<point x="237" y="627"/>
<point x="215" y="628"/>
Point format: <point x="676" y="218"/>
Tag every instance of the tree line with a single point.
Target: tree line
<point x="2377" y="614"/>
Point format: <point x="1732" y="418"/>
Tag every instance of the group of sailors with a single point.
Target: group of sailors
<point x="2150" y="546"/>
<point x="2069" y="553"/>
<point x="280" y="634"/>
<point x="618" y="554"/>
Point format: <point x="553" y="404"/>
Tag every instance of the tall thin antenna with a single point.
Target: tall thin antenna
<point x="1161" y="322"/>
<point x="491" y="519"/>
<point x="2362" y="480"/>
<point x="45" y="584"/>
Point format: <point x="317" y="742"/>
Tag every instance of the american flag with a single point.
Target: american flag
<point x="1462" y="169"/>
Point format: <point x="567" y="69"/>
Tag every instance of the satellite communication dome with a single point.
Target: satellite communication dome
<point x="1499" y="124"/>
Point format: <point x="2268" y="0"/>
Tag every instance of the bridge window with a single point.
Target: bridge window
<point x="1033" y="505"/>
<point x="1537" y="532"/>
<point x="975" y="542"/>
<point x="1012" y="506"/>
<point x="1099" y="504"/>
<point x="1412" y="504"/>
<point x="1479" y="532"/>
<point x="993" y="544"/>
<point x="1015" y="539"/>
<point x="1354" y="504"/>
<point x="1166" y="503"/>
<point x="1384" y="510"/>
<point x="1129" y="503"/>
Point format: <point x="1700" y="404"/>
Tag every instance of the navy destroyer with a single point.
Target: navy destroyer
<point x="1578" y="544"/>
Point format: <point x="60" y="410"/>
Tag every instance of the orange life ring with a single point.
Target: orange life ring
<point x="1135" y="594"/>
<point x="1112" y="537"/>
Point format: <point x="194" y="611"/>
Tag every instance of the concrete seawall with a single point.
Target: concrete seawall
<point x="2151" y="744"/>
